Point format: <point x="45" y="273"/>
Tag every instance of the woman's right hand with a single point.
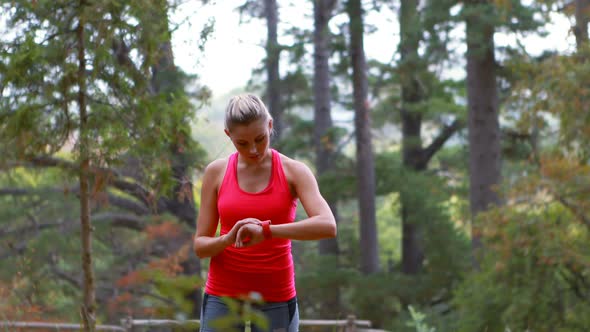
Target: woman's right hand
<point x="230" y="237"/>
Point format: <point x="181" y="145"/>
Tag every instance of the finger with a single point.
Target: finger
<point x="253" y="221"/>
<point x="250" y="243"/>
<point x="236" y="228"/>
<point x="238" y="241"/>
<point x="252" y="239"/>
<point x="246" y="221"/>
<point x="236" y="233"/>
<point x="244" y="237"/>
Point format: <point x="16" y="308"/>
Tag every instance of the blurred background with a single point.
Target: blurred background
<point x="450" y="138"/>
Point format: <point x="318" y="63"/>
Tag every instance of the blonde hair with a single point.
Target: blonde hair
<point x="244" y="109"/>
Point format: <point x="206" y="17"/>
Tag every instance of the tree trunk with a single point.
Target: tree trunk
<point x="581" y="28"/>
<point x="181" y="204"/>
<point x="323" y="140"/>
<point x="483" y="123"/>
<point x="415" y="157"/>
<point x="412" y="251"/>
<point x="364" y="148"/>
<point x="89" y="306"/>
<point x="273" y="52"/>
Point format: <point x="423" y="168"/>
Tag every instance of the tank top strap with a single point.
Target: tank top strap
<point x="229" y="178"/>
<point x="277" y="170"/>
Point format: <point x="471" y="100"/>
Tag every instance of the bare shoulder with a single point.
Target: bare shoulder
<point x="294" y="169"/>
<point x="302" y="181"/>
<point x="216" y="166"/>
<point x="215" y="171"/>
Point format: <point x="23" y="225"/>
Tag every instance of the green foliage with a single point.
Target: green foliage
<point x="139" y="127"/>
<point x="548" y="90"/>
<point x="534" y="276"/>
<point x="388" y="169"/>
<point x="241" y="312"/>
<point x="508" y="16"/>
<point x="320" y="278"/>
<point x="447" y="257"/>
<point x="39" y="111"/>
<point x="418" y="321"/>
<point x="174" y="288"/>
<point x="383" y="298"/>
<point x="339" y="183"/>
<point x="298" y="138"/>
<point x="296" y="90"/>
<point x="389" y="226"/>
<point x="379" y="297"/>
<point x="534" y="272"/>
<point x="535" y="269"/>
<point x="425" y="196"/>
<point x="437" y="22"/>
<point x="29" y="242"/>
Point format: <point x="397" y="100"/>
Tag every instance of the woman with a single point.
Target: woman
<point x="254" y="193"/>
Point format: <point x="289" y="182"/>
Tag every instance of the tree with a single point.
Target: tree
<point x="87" y="311"/>
<point x="269" y="11"/>
<point x="324" y="140"/>
<point x="106" y="102"/>
<point x="273" y="52"/>
<point x="323" y="130"/>
<point x="413" y="75"/>
<point x="483" y="117"/>
<point x="536" y="244"/>
<point x="365" y="168"/>
<point x="581" y="28"/>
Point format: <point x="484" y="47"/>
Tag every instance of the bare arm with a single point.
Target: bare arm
<point x="205" y="242"/>
<point x="320" y="223"/>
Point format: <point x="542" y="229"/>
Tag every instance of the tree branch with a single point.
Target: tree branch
<point x="120" y="220"/>
<point x="17" y="249"/>
<point x="344" y="143"/>
<point x="127" y="204"/>
<point x="132" y="188"/>
<point x="30" y="191"/>
<point x="440" y="140"/>
<point x="108" y="288"/>
<point x="116" y="200"/>
<point x="21" y="231"/>
<point x="48" y="161"/>
<point x="116" y="219"/>
<point x="579" y="213"/>
<point x="64" y="276"/>
<point x="139" y="192"/>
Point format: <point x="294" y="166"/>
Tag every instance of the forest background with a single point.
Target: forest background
<point x="457" y="168"/>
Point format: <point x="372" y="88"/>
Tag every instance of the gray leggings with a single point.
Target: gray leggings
<point x="282" y="316"/>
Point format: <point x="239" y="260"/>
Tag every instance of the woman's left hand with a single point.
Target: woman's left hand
<point x="249" y="235"/>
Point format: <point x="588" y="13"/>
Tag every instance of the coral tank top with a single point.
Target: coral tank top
<point x="265" y="268"/>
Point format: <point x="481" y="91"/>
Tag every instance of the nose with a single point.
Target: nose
<point x="253" y="148"/>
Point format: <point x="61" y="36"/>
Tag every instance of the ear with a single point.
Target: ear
<point x="270" y="125"/>
<point x="226" y="132"/>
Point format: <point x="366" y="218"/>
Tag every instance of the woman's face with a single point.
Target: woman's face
<point x="251" y="140"/>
